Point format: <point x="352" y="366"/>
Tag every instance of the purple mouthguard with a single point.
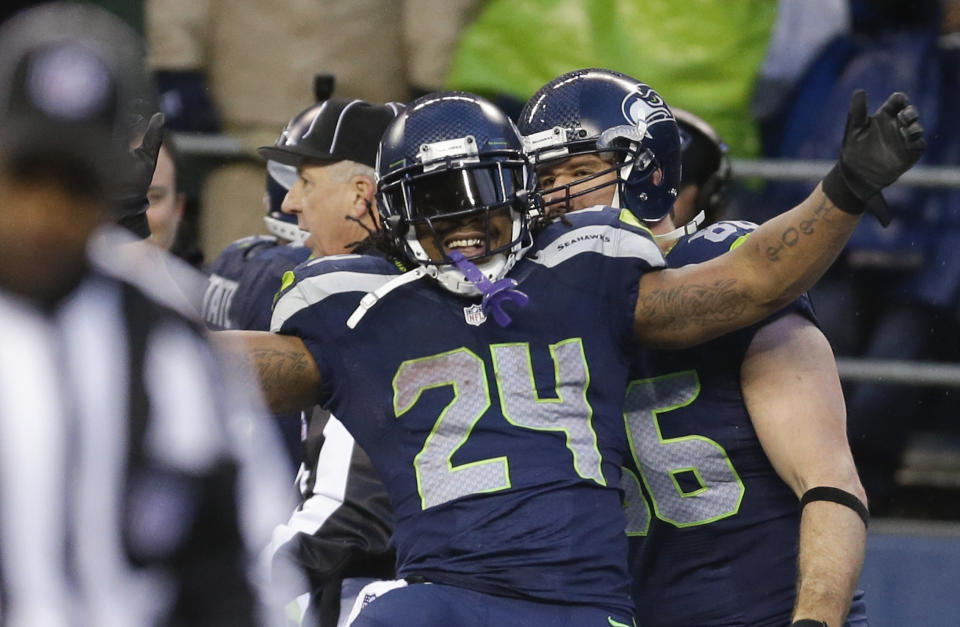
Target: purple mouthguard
<point x="495" y="295"/>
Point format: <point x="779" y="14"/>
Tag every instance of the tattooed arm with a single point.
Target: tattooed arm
<point x="285" y="369"/>
<point x="778" y="262"/>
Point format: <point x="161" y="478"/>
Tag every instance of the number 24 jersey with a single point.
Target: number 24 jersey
<point x="500" y="447"/>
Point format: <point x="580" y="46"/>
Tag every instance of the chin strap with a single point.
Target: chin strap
<point x="687" y="229"/>
<point x="372" y="298"/>
<point x="495" y="295"/>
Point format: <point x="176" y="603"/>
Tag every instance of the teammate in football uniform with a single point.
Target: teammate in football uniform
<point x="483" y="368"/>
<point x="726" y="436"/>
<point x="246" y="276"/>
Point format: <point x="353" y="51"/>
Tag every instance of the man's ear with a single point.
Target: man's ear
<point x="363" y="188"/>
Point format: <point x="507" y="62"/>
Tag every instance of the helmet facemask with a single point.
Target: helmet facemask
<point x="621" y="147"/>
<point x="456" y="190"/>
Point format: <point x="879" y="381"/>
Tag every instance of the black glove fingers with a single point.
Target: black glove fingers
<point x="908" y="115"/>
<point x="875" y="152"/>
<point x="857" y="117"/>
<point x="896" y="102"/>
<point x="913" y="136"/>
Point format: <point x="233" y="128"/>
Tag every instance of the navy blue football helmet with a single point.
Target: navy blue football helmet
<point x="601" y="111"/>
<point x="453" y="157"/>
<point x="706" y="163"/>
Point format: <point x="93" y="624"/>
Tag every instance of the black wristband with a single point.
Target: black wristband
<point x="836" y="188"/>
<point x="836" y="495"/>
<point x="808" y="622"/>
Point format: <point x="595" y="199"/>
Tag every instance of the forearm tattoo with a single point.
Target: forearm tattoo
<point x="792" y="234"/>
<point x="280" y="372"/>
<point x="692" y="305"/>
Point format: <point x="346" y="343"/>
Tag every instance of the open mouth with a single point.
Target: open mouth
<point x="475" y="237"/>
<point x="470" y="243"/>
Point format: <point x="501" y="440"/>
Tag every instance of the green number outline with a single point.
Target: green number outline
<point x="629" y="475"/>
<point x="663" y="441"/>
<point x="598" y="478"/>
<point x="418" y="459"/>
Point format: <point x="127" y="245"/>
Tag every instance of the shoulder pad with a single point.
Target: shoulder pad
<point x="602" y="230"/>
<point x="709" y="242"/>
<point x="312" y="282"/>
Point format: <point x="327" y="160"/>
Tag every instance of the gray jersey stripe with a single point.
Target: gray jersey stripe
<point x="606" y="240"/>
<point x="312" y="290"/>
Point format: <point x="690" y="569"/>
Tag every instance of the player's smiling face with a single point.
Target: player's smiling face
<point x="467" y="235"/>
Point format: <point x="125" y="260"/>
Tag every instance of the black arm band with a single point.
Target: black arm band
<point x="836" y="495"/>
<point x="808" y="622"/>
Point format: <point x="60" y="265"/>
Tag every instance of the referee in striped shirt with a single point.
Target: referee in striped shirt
<point x="129" y="494"/>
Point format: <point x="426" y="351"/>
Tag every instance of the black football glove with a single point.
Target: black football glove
<point x="134" y="180"/>
<point x="808" y="622"/>
<point x="876" y="150"/>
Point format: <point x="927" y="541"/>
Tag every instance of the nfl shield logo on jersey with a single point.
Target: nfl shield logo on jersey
<point x="474" y="315"/>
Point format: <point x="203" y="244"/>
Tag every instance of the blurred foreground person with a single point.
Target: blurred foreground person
<point x="124" y="457"/>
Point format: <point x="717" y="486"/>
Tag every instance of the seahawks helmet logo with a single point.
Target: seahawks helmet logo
<point x="645" y="107"/>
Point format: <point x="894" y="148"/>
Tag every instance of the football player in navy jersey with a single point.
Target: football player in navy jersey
<point x="482" y="364"/>
<point x="726" y="436"/>
<point x="246" y="276"/>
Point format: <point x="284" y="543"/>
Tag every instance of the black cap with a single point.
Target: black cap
<point x="334" y="130"/>
<point x="68" y="74"/>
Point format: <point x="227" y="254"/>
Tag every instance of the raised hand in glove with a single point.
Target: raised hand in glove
<point x="135" y="177"/>
<point x="876" y="150"/>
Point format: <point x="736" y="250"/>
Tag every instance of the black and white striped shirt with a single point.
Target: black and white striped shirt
<point x="135" y="483"/>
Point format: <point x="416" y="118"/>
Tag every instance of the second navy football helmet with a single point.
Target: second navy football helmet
<point x="706" y="163"/>
<point x="601" y="111"/>
<point x="453" y="157"/>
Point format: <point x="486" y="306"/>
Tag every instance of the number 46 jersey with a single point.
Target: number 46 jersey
<point x="713" y="530"/>
<point x="500" y="447"/>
